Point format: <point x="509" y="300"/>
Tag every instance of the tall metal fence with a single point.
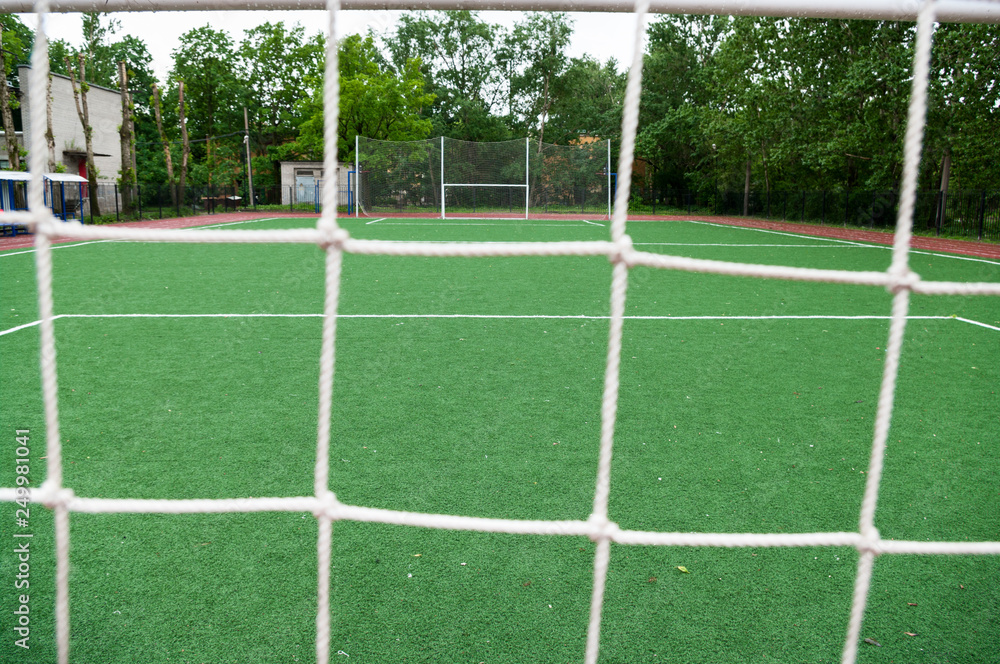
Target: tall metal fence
<point x="153" y="201"/>
<point x="964" y="214"/>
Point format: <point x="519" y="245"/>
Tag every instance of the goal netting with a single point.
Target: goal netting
<point x="450" y="178"/>
<point x="398" y="177"/>
<point x="414" y="186"/>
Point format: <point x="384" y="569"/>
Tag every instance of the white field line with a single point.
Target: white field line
<point x="847" y="242"/>
<point x="500" y="317"/>
<point x="375" y="221"/>
<point x="82" y="244"/>
<point x="784" y="246"/>
<point x="55" y="246"/>
<point x="418" y="223"/>
<point x="592" y="223"/>
<point x="22" y="327"/>
<point x="234" y="223"/>
<point x="957" y="257"/>
<point x="784" y="233"/>
<point x="976" y="322"/>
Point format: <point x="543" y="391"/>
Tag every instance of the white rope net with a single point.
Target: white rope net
<point x="335" y="241"/>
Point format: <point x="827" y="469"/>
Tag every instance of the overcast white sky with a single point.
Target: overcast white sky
<point x="600" y="35"/>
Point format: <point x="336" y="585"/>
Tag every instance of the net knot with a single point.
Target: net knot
<point x="44" y="224"/>
<point x="870" y="540"/>
<point x="54" y="496"/>
<point x="622" y="250"/>
<point x="602" y="528"/>
<point x="333" y="236"/>
<point x="327" y="506"/>
<point x="902" y="279"/>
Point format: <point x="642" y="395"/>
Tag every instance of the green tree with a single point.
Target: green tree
<point x="214" y="95"/>
<point x="541" y="40"/>
<point x="376" y="101"/>
<point x="459" y="56"/>
<point x="677" y="102"/>
<point x="274" y="62"/>
<point x="964" y="108"/>
<point x="588" y="101"/>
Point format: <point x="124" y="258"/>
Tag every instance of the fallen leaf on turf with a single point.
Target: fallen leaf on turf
<point x="683" y="569"/>
<point x="873" y="642"/>
<point x="417" y="555"/>
<point x="652" y="579"/>
<point x="911" y="603"/>
<point x="909" y="633"/>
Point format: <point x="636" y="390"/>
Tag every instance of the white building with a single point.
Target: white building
<point x="300" y="181"/>
<point x="105" y="109"/>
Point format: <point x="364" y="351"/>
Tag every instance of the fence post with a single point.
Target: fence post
<point x="116" y="203"/>
<point x="940" y="212"/>
<point x="982" y="211"/>
<point x="138" y="195"/>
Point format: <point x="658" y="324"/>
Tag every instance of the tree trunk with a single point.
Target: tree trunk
<point x="50" y="137"/>
<point x="545" y="110"/>
<point x="165" y="143"/>
<point x="185" y="146"/>
<point x="767" y="181"/>
<point x="746" y="191"/>
<point x="945" y="178"/>
<point x="125" y="133"/>
<point x="80" y="97"/>
<point x="13" y="149"/>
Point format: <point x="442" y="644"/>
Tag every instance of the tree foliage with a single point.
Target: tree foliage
<point x="376" y="101"/>
<point x="804" y="103"/>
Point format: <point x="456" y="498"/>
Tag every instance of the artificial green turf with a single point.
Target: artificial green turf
<point x="724" y="425"/>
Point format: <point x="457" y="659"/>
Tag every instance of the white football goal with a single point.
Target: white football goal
<point x="450" y="178"/>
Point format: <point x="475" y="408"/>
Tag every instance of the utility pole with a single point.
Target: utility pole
<point x="246" y="141"/>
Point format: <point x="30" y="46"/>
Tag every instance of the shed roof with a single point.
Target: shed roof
<point x="22" y="176"/>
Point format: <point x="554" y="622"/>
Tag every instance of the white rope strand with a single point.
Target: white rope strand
<point x="336" y="511"/>
<point x="900" y="270"/>
<point x="619" y="286"/>
<point x="332" y="240"/>
<point x="43" y="269"/>
<point x="630" y="124"/>
<point x="38" y="79"/>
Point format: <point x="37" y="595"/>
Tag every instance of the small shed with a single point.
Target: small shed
<point x="301" y="182"/>
<point x="65" y="193"/>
